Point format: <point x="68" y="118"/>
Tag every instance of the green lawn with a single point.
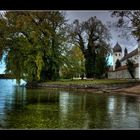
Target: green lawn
<point x="94" y="81"/>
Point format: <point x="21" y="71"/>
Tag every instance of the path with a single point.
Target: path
<point x="130" y="90"/>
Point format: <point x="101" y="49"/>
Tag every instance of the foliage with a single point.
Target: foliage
<point x="101" y="63"/>
<point x="74" y="65"/>
<point x="35" y="46"/>
<point x="33" y="43"/>
<point x="131" y="68"/>
<point x="117" y="64"/>
<point x="91" y="36"/>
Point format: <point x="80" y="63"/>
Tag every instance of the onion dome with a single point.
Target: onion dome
<point x="117" y="48"/>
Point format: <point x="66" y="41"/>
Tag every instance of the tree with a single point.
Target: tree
<point x="117" y="64"/>
<point x="33" y="43"/>
<point x="130" y="68"/>
<point x="101" y="63"/>
<point x="90" y="36"/>
<point x="74" y="65"/>
<point x="128" y="21"/>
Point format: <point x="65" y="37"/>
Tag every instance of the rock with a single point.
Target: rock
<point x="105" y="91"/>
<point x="99" y="92"/>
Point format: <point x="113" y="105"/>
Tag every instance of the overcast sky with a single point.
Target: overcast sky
<point x="104" y="16"/>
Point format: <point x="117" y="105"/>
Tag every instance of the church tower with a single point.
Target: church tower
<point x="125" y="52"/>
<point x="117" y="54"/>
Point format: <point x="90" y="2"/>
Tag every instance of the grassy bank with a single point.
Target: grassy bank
<point x="94" y="81"/>
<point x="94" y="85"/>
<point x="97" y="84"/>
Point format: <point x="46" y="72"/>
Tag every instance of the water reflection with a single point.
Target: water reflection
<point x="64" y="96"/>
<point x="42" y="108"/>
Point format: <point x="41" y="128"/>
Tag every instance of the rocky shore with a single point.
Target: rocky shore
<point x="127" y="88"/>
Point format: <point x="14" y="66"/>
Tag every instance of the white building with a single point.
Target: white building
<point x="122" y="72"/>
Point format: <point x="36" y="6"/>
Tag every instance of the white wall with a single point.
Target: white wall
<point x="116" y="55"/>
<point x="122" y="74"/>
<point x="134" y="58"/>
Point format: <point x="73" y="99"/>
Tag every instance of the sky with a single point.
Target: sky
<point x="104" y="16"/>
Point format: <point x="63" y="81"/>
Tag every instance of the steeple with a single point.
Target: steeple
<point x="117" y="54"/>
<point x="117" y="48"/>
<point x="125" y="51"/>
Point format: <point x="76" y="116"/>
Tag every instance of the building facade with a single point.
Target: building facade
<point x="121" y="72"/>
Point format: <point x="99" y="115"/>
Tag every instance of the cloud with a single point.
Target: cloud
<point x="84" y="15"/>
<point x="105" y="17"/>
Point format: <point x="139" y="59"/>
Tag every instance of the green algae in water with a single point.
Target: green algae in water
<point x="43" y="116"/>
<point x="68" y="109"/>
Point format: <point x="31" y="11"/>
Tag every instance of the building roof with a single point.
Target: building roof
<point x="117" y="48"/>
<point x="122" y="68"/>
<point x="134" y="52"/>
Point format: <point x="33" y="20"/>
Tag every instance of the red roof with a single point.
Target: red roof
<point x="134" y="52"/>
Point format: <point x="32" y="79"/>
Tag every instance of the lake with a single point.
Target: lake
<point x="22" y="108"/>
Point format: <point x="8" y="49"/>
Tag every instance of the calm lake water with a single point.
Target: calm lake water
<point x="22" y="108"/>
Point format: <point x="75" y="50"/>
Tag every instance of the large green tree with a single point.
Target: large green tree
<point x="131" y="68"/>
<point x="75" y="64"/>
<point x="101" y="62"/>
<point x="33" y="43"/>
<point x="91" y="36"/>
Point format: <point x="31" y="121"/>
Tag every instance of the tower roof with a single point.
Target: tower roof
<point x="117" y="48"/>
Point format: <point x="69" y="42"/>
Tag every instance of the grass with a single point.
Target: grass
<point x="94" y="81"/>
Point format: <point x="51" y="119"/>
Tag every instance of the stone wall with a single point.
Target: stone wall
<point x="122" y="74"/>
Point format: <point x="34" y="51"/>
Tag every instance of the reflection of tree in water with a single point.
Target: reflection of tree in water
<point x="83" y="110"/>
<point x="17" y="99"/>
<point x="14" y="103"/>
<point x="116" y="110"/>
<point x="42" y="96"/>
<point x="111" y="111"/>
<point x="72" y="110"/>
<point x="39" y="109"/>
<point x="124" y="112"/>
<point x="96" y="107"/>
<point x="48" y="109"/>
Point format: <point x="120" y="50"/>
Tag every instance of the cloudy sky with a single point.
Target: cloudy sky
<point x="104" y="16"/>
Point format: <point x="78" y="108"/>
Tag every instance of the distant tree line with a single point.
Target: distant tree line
<point x="6" y="76"/>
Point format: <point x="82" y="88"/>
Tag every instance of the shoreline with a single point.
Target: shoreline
<point x="131" y="89"/>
